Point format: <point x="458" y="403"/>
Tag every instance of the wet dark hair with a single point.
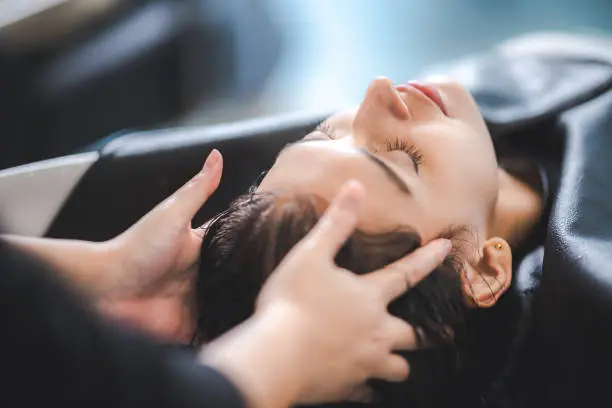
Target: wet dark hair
<point x="244" y="244"/>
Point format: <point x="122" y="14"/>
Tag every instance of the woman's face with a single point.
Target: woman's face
<point x="426" y="161"/>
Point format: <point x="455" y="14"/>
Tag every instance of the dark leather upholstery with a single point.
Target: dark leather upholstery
<point x="572" y="324"/>
<point x="562" y="95"/>
<point x="551" y="96"/>
<point x="137" y="171"/>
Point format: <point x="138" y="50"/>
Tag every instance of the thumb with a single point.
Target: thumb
<point x="192" y="195"/>
<point x="338" y="222"/>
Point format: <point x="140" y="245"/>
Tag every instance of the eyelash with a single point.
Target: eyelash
<point x="411" y="150"/>
<point x="391" y="145"/>
<point x="327" y="130"/>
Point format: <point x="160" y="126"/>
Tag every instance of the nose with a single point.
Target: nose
<point x="382" y="98"/>
<point x="381" y="110"/>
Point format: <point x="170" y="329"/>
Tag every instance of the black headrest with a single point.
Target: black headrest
<point x="137" y="171"/>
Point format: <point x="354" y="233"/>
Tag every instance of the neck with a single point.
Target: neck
<point x="518" y="209"/>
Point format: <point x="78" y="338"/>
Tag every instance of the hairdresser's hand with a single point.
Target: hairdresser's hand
<point x="328" y="329"/>
<point x="157" y="260"/>
<point x="351" y="335"/>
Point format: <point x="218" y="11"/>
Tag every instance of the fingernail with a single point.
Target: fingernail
<point x="447" y="245"/>
<point x="211" y="160"/>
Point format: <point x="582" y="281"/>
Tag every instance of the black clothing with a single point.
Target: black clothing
<point x="56" y="353"/>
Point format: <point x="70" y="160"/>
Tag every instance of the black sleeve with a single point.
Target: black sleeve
<point x="55" y="352"/>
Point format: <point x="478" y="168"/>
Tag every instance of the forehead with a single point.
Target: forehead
<point x="322" y="167"/>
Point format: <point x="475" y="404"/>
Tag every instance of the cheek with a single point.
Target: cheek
<point x="462" y="180"/>
<point x="469" y="177"/>
<point x="461" y="104"/>
<point x="467" y="155"/>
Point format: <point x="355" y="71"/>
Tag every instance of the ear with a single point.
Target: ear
<point x="487" y="278"/>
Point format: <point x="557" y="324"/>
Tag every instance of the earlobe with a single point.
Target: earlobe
<point x="485" y="280"/>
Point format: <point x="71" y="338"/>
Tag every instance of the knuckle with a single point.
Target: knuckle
<point x="411" y="275"/>
<point x="401" y="269"/>
<point x="397" y="279"/>
<point x="195" y="180"/>
<point x="401" y="276"/>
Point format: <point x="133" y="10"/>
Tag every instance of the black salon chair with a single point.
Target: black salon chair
<point x="150" y="165"/>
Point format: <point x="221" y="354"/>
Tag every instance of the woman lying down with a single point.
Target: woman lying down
<point x="426" y="158"/>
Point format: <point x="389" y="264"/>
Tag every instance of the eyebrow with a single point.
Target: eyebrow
<point x="391" y="174"/>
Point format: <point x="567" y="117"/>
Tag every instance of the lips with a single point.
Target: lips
<point x="429" y="91"/>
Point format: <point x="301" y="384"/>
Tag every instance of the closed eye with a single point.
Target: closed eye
<point x="392" y="144"/>
<point x="395" y="144"/>
<point x="327" y="130"/>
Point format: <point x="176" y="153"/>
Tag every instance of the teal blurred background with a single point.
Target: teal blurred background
<point x="73" y="72"/>
<point x="333" y="48"/>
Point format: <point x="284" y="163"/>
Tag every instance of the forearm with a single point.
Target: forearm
<point x="86" y="265"/>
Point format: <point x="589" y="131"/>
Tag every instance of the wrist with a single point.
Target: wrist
<point x="266" y="357"/>
<point x="105" y="276"/>
<point x="109" y="269"/>
<point x="89" y="266"/>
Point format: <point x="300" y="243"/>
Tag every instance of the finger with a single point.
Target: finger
<point x="192" y="196"/>
<point x="394" y="368"/>
<point x="362" y="394"/>
<point x="201" y="230"/>
<point x="338" y="222"/>
<point x="403" y="335"/>
<point x="399" y="277"/>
